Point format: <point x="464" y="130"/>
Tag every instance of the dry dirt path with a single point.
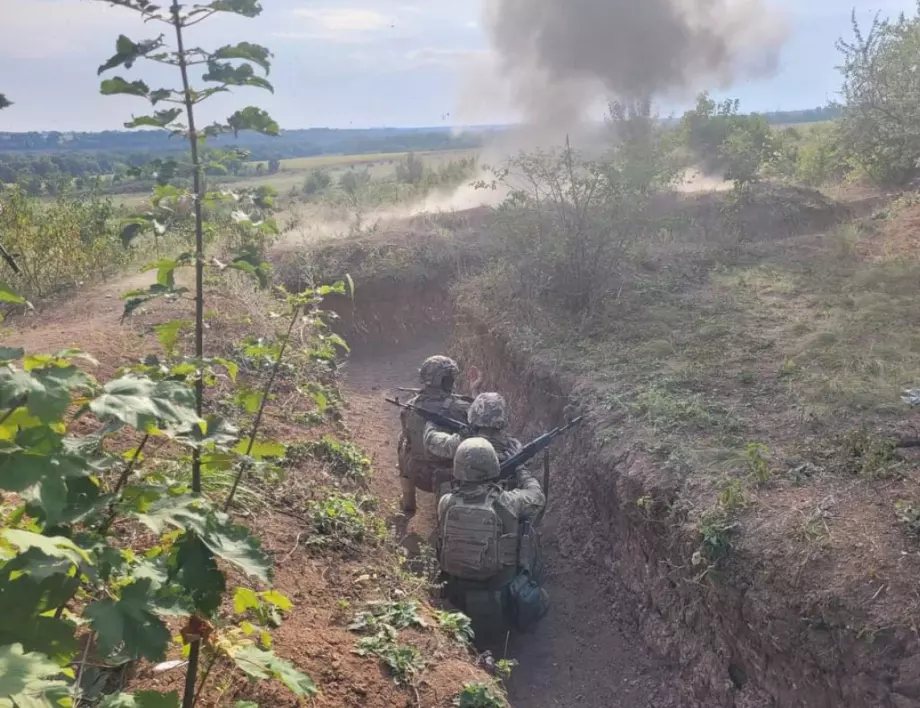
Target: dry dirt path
<point x="587" y="652"/>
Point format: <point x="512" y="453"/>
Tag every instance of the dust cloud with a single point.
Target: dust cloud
<point x="557" y="57"/>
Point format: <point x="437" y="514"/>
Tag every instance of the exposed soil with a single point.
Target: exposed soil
<point x="587" y="651"/>
<point x="326" y="587"/>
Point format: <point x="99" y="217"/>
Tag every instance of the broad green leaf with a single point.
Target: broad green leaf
<point x="248" y="51"/>
<point x="29" y="593"/>
<point x="217" y="432"/>
<point x="248" y="399"/>
<point x="127" y="626"/>
<point x="118" y="85"/>
<point x="232" y="367"/>
<point x="141" y="699"/>
<point x="166" y="268"/>
<point x="23" y="678"/>
<point x="212" y="462"/>
<point x="260" y="449"/>
<point x="42" y="477"/>
<point x="222" y="72"/>
<point x="233" y="543"/>
<point x="237" y="545"/>
<point x="259" y="272"/>
<point x="51" y="546"/>
<point x="160" y="119"/>
<point x="260" y="664"/>
<point x="338" y="341"/>
<point x="282" y="602"/>
<point x="246" y="8"/>
<point x="168" y="333"/>
<point x="7" y="294"/>
<point x="158" y="95"/>
<point x="253" y="118"/>
<point x="246" y="704"/>
<point x="144" y="404"/>
<point x="319" y="398"/>
<point x="245" y="599"/>
<point x="198" y="573"/>
<point x="46" y="391"/>
<point x="128" y="51"/>
<point x="10" y="354"/>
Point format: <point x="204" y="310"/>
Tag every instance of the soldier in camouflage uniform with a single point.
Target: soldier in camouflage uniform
<point x="488" y="418"/>
<point x="418" y="468"/>
<point x="486" y="541"/>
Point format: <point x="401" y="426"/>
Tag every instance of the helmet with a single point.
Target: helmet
<point x="436" y="369"/>
<point x="488" y="411"/>
<point x="475" y="461"/>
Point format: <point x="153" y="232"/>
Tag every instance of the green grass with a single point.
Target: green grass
<point x="381" y="165"/>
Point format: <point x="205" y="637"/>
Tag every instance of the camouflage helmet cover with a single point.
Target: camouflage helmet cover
<point x="488" y="411"/>
<point x="476" y="461"/>
<point x="437" y="368"/>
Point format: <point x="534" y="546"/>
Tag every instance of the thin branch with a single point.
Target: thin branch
<point x="122" y="480"/>
<point x="199" y="236"/>
<point x="204" y="678"/>
<point x="258" y="419"/>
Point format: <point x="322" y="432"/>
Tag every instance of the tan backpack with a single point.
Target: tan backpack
<point x="473" y="545"/>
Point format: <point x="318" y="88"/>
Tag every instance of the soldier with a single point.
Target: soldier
<point x="417" y="467"/>
<point x="487" y="545"/>
<point x="488" y="418"/>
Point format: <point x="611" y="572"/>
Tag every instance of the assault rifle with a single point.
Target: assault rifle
<point x="535" y="447"/>
<point x="465" y="399"/>
<point x="442" y="421"/>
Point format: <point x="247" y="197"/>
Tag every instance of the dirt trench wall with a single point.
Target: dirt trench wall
<point x="748" y="639"/>
<point x="743" y="641"/>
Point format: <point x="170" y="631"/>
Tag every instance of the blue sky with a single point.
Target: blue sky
<point x="347" y="63"/>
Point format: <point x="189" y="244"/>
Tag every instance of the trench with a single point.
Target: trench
<point x="588" y="651"/>
<point x="630" y="625"/>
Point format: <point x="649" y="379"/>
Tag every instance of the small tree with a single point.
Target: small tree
<point x="881" y="90"/>
<point x="319" y="180"/>
<point x="410" y="170"/>
<point x="747" y="147"/>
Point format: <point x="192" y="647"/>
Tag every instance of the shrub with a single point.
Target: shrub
<point x="881" y="89"/>
<point x="59" y="245"/>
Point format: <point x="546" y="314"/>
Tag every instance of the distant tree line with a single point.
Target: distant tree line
<point x="292" y="143"/>
<point x="810" y="115"/>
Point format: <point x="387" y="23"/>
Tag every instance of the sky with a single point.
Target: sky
<point x="347" y="63"/>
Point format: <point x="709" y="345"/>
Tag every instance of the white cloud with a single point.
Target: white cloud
<point x="342" y="24"/>
<point x="435" y="56"/>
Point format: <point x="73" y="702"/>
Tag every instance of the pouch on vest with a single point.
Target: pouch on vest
<point x="529" y="602"/>
<point x="473" y="546"/>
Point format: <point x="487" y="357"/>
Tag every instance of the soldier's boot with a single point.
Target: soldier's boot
<point x="408" y="495"/>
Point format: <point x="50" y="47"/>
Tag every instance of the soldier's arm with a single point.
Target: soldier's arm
<point x="527" y="500"/>
<point x="439" y="443"/>
<point x="442" y="507"/>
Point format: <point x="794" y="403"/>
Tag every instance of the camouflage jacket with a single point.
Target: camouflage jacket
<point x="441" y="444"/>
<point x="523" y="502"/>
<point x="412" y="438"/>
